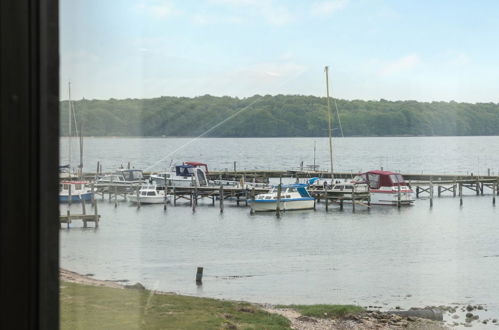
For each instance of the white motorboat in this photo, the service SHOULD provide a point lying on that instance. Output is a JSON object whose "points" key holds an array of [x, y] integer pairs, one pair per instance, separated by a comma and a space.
{"points": [[385, 187], [149, 194], [74, 191], [293, 197], [189, 174]]}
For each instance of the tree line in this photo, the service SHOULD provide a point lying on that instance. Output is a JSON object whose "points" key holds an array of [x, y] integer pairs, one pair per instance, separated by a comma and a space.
{"points": [[279, 115]]}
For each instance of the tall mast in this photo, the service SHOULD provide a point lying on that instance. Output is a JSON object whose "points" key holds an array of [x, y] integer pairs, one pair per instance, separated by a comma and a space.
{"points": [[329, 121], [69, 126]]}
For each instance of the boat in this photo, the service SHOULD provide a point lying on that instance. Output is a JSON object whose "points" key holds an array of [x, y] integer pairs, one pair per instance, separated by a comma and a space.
{"points": [[74, 191], [346, 188], [71, 190], [149, 194], [293, 197], [188, 174], [385, 186]]}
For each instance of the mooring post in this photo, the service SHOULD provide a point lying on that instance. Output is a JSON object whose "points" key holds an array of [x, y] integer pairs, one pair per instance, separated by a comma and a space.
{"points": [[221, 196], [431, 192], [166, 197], [439, 190], [460, 194], [83, 206], [278, 204], [481, 188], [399, 203], [454, 189], [115, 196], [96, 215], [84, 211], [97, 170], [69, 219], [110, 193], [252, 211], [235, 166], [494, 189], [245, 197], [417, 191], [174, 196], [353, 201], [326, 200], [138, 197], [199, 276], [341, 204], [92, 197], [477, 185], [194, 198], [70, 197]]}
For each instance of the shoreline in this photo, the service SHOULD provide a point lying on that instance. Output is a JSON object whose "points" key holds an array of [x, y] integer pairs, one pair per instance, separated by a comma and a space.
{"points": [[368, 319]]}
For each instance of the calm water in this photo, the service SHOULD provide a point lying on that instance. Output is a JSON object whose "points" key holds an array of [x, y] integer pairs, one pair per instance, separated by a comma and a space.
{"points": [[415, 256]]}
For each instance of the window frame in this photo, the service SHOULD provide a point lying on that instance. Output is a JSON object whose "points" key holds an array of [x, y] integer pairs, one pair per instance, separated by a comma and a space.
{"points": [[29, 136]]}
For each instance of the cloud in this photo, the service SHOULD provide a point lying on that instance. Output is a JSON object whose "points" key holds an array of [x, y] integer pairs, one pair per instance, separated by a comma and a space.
{"points": [[159, 10], [460, 60], [400, 65], [271, 12], [326, 8]]}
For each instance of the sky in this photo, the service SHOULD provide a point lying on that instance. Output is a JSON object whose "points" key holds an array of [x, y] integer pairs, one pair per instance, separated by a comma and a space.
{"points": [[421, 50]]}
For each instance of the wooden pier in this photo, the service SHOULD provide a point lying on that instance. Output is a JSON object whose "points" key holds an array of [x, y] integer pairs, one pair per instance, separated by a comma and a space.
{"points": [[424, 186]]}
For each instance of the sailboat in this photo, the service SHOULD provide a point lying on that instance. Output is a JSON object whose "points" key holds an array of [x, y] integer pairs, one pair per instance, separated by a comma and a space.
{"points": [[73, 190]]}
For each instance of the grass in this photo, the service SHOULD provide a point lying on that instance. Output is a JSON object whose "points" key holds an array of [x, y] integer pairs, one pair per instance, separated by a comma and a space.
{"points": [[91, 307], [325, 311]]}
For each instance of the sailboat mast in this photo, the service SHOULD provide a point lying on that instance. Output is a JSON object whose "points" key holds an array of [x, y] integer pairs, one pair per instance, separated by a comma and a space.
{"points": [[329, 122], [69, 126]]}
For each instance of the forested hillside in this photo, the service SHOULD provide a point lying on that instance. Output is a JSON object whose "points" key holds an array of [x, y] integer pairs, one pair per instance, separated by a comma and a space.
{"points": [[280, 115]]}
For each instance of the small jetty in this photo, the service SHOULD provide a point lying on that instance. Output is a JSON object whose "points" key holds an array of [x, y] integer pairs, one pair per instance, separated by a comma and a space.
{"points": [[425, 186]]}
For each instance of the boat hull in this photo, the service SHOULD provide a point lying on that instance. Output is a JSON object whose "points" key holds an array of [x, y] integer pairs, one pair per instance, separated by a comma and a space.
{"points": [[285, 205], [391, 197], [149, 199], [75, 198]]}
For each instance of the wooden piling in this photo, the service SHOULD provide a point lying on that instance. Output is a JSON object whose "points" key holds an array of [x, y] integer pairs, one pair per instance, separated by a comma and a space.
{"points": [[115, 196], [252, 211], [221, 196], [439, 190], [417, 191], [235, 166], [96, 215], [431, 192], [138, 197], [92, 198], [341, 204], [166, 197], [70, 196], [494, 189], [278, 204], [454, 189], [174, 196], [69, 218], [194, 199], [353, 201], [97, 170], [199, 276], [460, 194], [399, 202]]}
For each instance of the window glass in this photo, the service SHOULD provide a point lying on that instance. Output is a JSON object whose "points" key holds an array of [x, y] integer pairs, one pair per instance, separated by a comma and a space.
{"points": [[333, 94]]}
